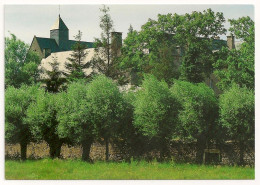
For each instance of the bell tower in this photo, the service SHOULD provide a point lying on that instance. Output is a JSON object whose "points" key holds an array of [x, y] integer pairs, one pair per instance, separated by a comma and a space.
{"points": [[60, 32]]}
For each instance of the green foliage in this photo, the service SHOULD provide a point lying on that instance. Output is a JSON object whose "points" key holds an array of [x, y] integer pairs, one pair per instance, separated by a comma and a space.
{"points": [[73, 117], [21, 65], [199, 109], [54, 80], [237, 66], [198, 114], [155, 112], [131, 59], [105, 104], [237, 117], [43, 123], [237, 113], [151, 50], [73, 113], [104, 62], [157, 49], [243, 28], [128, 139], [197, 61], [17, 102], [76, 64], [196, 35]]}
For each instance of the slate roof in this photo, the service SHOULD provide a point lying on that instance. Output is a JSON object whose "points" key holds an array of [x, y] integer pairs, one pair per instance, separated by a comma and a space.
{"points": [[59, 25], [217, 44], [51, 44], [72, 42], [48, 43]]}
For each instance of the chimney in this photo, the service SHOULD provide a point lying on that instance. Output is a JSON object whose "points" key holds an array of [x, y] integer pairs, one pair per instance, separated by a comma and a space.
{"points": [[231, 41], [116, 43]]}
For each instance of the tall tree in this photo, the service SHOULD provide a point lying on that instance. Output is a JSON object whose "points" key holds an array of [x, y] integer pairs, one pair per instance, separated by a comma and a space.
{"points": [[53, 78], [17, 102], [21, 65], [237, 117], [102, 59], [76, 65], [105, 61], [198, 113], [105, 105], [172, 37], [131, 57], [237, 65], [155, 114], [196, 35], [73, 117], [42, 120]]}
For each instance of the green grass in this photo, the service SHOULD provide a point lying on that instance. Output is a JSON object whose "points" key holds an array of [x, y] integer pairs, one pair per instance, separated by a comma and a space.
{"points": [[76, 169]]}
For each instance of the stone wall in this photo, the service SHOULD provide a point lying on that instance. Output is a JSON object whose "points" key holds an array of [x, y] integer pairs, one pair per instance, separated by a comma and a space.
{"points": [[180, 152]]}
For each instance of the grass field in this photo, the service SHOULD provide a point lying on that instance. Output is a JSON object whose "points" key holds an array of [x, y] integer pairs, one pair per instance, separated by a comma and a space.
{"points": [[76, 169]]}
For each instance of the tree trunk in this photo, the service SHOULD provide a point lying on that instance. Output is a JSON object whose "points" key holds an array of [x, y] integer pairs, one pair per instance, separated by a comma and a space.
{"points": [[241, 153], [107, 149], [163, 150], [58, 149], [55, 149], [23, 150], [86, 145], [201, 145]]}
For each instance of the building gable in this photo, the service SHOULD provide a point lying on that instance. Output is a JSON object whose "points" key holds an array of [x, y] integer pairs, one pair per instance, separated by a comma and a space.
{"points": [[35, 47]]}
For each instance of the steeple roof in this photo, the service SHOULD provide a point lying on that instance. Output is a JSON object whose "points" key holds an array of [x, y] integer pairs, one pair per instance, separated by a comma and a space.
{"points": [[59, 25]]}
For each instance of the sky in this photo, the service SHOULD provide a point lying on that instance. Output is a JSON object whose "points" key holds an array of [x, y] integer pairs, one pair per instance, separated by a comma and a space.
{"points": [[25, 21]]}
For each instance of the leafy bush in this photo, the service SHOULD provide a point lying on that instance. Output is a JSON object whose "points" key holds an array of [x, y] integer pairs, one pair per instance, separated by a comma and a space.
{"points": [[73, 116], [155, 113], [43, 123], [198, 113], [105, 105], [237, 116], [17, 102]]}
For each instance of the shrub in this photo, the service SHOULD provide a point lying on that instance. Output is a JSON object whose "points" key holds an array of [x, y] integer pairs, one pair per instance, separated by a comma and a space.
{"points": [[105, 105], [73, 116], [17, 102], [237, 116], [43, 123], [198, 113], [155, 113]]}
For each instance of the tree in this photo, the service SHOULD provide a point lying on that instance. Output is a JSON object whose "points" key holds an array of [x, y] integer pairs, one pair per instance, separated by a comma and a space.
{"points": [[73, 117], [152, 50], [196, 35], [17, 102], [42, 120], [105, 105], [237, 65], [102, 59], [21, 65], [237, 116], [198, 113], [76, 64], [155, 113], [131, 57], [54, 78], [105, 60], [162, 43]]}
